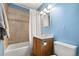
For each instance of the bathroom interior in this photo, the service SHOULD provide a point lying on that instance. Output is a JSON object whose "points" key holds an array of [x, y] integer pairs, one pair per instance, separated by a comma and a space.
{"points": [[39, 29]]}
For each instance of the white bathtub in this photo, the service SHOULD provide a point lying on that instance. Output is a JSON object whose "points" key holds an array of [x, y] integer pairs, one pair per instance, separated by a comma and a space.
{"points": [[18, 49]]}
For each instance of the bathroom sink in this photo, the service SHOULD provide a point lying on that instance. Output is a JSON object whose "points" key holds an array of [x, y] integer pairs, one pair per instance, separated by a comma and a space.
{"points": [[45, 36]]}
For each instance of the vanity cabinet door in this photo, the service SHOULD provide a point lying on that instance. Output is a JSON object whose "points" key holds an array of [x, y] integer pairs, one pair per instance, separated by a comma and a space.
{"points": [[48, 49], [39, 52], [34, 46]]}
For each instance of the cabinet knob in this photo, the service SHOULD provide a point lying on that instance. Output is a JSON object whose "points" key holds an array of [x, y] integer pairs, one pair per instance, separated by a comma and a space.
{"points": [[44, 43]]}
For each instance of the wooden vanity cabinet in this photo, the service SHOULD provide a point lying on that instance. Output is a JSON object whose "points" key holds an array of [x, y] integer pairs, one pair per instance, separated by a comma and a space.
{"points": [[39, 49]]}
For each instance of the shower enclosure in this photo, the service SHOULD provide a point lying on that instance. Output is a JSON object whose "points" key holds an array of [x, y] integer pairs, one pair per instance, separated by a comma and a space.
{"points": [[18, 22]]}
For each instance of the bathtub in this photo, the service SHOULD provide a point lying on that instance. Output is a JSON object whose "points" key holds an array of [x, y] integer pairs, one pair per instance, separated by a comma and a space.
{"points": [[18, 49]]}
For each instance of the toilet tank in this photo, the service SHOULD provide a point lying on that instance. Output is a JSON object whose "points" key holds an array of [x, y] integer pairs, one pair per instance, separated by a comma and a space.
{"points": [[64, 49]]}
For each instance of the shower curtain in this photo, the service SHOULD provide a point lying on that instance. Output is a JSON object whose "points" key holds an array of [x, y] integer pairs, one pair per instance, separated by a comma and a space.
{"points": [[34, 24]]}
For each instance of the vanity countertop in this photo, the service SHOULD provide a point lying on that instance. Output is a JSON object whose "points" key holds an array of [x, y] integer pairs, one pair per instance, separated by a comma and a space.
{"points": [[44, 36]]}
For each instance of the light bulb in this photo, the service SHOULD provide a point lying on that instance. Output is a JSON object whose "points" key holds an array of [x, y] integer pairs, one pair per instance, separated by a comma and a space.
{"points": [[41, 12], [44, 13], [45, 10]]}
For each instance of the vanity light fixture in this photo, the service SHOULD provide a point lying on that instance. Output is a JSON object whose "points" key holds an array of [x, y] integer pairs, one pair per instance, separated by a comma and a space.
{"points": [[46, 10], [42, 13]]}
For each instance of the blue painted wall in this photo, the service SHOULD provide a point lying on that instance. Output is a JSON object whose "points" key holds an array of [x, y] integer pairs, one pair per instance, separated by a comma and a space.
{"points": [[65, 23]]}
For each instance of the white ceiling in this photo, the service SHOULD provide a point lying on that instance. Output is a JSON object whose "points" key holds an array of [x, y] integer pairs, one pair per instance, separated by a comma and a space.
{"points": [[32, 5]]}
